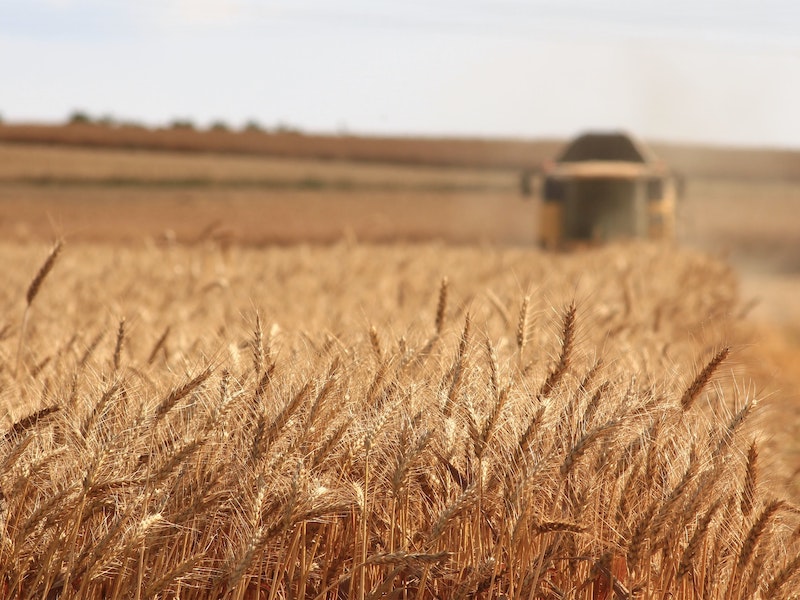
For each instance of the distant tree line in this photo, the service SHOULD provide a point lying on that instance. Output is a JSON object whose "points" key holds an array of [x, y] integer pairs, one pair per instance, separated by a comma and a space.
{"points": [[81, 117]]}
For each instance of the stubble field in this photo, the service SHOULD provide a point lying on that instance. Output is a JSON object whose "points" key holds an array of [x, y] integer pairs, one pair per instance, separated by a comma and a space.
{"points": [[189, 416]]}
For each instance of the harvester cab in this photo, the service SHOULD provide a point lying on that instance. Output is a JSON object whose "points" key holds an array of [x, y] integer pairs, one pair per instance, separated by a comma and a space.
{"points": [[604, 186]]}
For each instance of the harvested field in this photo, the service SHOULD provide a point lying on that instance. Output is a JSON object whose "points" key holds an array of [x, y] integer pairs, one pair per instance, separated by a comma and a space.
{"points": [[471, 153], [693, 161], [756, 223], [257, 216], [41, 165], [340, 421], [127, 195], [102, 194]]}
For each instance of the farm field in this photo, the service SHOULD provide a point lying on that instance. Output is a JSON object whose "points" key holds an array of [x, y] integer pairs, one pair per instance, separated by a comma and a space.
{"points": [[48, 191], [51, 165], [246, 376], [342, 421], [693, 161]]}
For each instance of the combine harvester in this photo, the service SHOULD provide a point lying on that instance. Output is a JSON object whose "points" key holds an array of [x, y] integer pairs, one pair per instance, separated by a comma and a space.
{"points": [[605, 186]]}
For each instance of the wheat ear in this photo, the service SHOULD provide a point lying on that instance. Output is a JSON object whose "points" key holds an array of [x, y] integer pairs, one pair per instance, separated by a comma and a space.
{"points": [[30, 421], [160, 343], [693, 391], [441, 307], [564, 359], [522, 324], [258, 348], [689, 554], [118, 345], [33, 290], [375, 342], [750, 481], [783, 577], [458, 368], [755, 533], [171, 399]]}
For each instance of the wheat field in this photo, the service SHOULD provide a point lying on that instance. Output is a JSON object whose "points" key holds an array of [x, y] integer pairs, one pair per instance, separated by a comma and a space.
{"points": [[382, 421]]}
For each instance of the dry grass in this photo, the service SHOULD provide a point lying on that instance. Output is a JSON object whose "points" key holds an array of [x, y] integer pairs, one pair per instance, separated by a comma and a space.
{"points": [[337, 422]]}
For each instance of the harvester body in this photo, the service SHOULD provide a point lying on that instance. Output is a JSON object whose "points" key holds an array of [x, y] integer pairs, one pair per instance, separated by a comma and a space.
{"points": [[606, 186]]}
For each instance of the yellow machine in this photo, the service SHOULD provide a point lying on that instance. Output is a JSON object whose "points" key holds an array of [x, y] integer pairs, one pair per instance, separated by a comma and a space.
{"points": [[606, 186]]}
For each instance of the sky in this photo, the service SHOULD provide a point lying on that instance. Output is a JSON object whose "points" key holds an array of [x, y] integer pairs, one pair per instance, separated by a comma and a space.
{"points": [[707, 71]]}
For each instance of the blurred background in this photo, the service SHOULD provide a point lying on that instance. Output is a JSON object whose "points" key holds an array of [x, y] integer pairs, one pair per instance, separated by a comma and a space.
{"points": [[310, 120], [719, 71]]}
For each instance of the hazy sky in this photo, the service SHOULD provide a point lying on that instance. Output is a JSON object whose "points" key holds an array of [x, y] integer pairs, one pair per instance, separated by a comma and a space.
{"points": [[679, 70]]}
